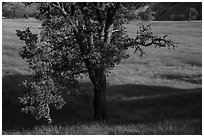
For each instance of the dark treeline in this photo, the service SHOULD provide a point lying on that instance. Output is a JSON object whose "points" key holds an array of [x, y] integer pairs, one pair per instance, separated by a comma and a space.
{"points": [[160, 11], [177, 11]]}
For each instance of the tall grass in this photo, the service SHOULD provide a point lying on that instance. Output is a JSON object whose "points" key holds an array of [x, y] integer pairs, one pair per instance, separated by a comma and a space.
{"points": [[166, 127]]}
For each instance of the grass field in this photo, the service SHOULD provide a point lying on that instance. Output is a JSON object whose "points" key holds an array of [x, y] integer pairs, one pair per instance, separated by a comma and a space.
{"points": [[159, 93]]}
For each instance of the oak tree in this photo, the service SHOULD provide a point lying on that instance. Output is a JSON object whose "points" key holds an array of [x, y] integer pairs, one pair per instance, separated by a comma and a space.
{"points": [[78, 38]]}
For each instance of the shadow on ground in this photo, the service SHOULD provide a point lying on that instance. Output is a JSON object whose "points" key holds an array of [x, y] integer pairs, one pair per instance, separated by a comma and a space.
{"points": [[194, 79], [129, 103]]}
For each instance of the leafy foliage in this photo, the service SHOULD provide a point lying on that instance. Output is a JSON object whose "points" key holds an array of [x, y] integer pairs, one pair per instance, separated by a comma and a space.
{"points": [[76, 39], [39, 96]]}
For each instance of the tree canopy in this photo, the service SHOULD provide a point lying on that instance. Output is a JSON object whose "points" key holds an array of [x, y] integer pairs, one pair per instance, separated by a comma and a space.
{"points": [[75, 39]]}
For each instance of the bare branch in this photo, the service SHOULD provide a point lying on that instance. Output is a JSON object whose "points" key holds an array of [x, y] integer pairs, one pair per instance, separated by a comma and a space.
{"points": [[138, 48], [146, 38], [155, 41]]}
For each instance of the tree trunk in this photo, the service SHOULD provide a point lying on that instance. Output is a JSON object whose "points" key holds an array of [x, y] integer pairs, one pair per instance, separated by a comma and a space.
{"points": [[99, 103], [99, 95]]}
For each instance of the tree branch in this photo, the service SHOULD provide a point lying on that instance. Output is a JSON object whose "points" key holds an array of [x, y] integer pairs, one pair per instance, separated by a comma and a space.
{"points": [[110, 14], [124, 8], [79, 41], [60, 8], [115, 31], [156, 41], [100, 20]]}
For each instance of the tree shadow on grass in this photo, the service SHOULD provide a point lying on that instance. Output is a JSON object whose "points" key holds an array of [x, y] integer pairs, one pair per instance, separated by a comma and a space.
{"points": [[154, 103], [128, 103], [194, 79]]}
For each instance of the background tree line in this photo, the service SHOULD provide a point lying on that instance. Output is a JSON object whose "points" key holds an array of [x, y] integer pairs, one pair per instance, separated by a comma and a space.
{"points": [[160, 11], [19, 9], [177, 11]]}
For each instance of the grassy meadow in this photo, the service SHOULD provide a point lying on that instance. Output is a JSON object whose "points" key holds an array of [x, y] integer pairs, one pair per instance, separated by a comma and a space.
{"points": [[159, 93]]}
